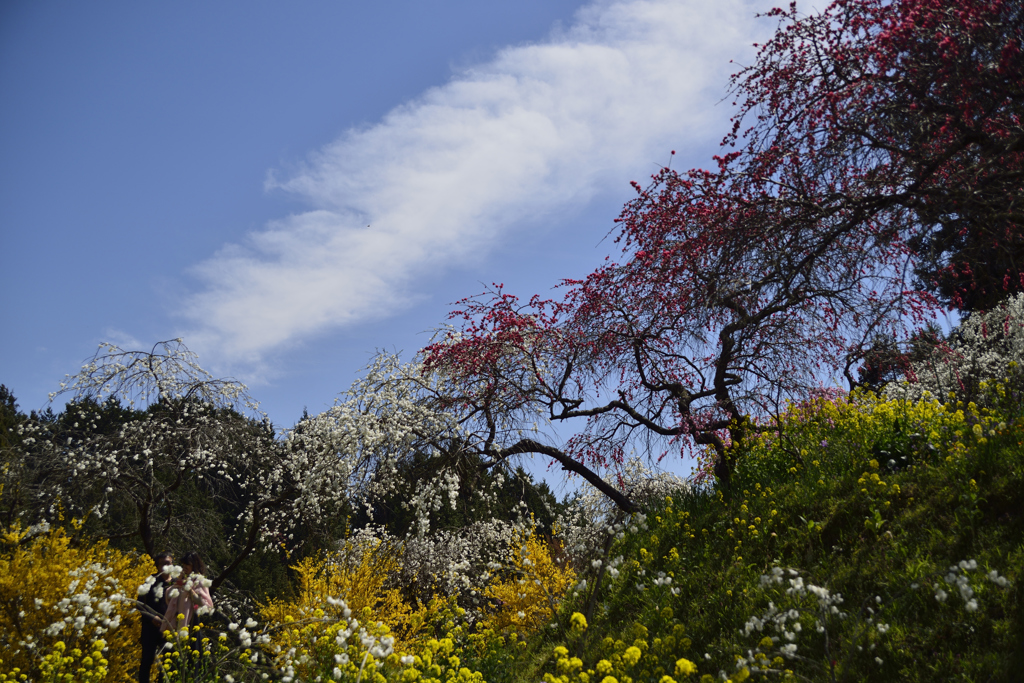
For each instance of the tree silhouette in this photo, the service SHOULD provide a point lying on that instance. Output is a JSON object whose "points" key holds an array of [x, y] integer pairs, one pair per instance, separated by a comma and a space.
{"points": [[863, 133]]}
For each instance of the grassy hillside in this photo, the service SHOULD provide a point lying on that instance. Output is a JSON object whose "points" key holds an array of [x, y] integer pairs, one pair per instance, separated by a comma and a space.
{"points": [[867, 540]]}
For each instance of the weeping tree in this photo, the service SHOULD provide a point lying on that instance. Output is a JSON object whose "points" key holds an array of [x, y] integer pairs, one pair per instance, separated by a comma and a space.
{"points": [[866, 136], [152, 449]]}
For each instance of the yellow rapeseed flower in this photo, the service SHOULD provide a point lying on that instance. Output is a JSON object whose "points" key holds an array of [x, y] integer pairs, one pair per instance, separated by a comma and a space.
{"points": [[684, 667]]}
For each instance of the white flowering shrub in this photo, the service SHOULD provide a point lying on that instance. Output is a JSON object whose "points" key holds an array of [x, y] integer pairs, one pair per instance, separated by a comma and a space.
{"points": [[147, 431], [981, 349], [458, 562], [444, 563], [592, 520], [381, 421]]}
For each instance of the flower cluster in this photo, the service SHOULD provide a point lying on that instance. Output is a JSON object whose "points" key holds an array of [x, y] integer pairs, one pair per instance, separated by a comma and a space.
{"points": [[61, 598], [591, 520], [62, 665], [333, 643], [503, 575], [785, 624], [363, 574], [980, 350], [957, 578], [91, 608], [821, 440], [191, 656], [645, 658], [524, 593]]}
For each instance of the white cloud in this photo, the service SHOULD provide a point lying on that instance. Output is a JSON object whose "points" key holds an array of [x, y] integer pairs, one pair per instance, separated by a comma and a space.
{"points": [[125, 340], [538, 128]]}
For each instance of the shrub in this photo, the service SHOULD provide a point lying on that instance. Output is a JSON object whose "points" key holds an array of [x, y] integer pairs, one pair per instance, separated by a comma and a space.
{"points": [[981, 350], [59, 600]]}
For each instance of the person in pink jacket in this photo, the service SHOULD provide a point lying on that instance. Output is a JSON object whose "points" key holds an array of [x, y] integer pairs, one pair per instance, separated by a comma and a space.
{"points": [[188, 595]]}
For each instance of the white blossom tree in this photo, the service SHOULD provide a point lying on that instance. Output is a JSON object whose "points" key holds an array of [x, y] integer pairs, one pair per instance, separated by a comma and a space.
{"points": [[152, 447], [146, 430], [987, 347]]}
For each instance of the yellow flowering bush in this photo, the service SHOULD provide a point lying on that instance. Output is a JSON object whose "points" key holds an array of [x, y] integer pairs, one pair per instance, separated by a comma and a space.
{"points": [[346, 623], [360, 575], [529, 588], [60, 599]]}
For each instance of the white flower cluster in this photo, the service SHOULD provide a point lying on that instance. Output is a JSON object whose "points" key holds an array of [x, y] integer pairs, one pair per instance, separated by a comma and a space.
{"points": [[42, 527], [785, 624], [352, 452], [957, 579], [150, 585], [375, 648], [247, 636], [1000, 581], [90, 605], [592, 519], [612, 566], [980, 350], [455, 562]]}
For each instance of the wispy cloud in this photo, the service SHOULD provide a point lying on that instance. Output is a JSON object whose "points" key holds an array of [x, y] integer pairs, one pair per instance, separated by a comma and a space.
{"points": [[125, 340], [538, 128]]}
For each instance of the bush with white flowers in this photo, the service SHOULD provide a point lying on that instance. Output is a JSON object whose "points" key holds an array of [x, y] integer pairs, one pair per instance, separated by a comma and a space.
{"points": [[986, 347]]}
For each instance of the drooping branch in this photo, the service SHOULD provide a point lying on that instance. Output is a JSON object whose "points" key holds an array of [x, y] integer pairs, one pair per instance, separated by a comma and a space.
{"points": [[569, 464]]}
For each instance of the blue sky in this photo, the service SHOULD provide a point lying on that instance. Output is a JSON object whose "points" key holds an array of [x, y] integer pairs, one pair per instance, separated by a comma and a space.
{"points": [[290, 186]]}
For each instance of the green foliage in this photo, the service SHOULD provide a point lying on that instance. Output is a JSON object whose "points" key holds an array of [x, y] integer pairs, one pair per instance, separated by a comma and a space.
{"points": [[484, 493], [888, 361], [10, 417], [970, 264], [907, 519], [12, 469]]}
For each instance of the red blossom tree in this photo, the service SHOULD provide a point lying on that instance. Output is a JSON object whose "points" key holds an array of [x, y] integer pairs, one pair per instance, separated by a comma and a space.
{"points": [[918, 105], [865, 135]]}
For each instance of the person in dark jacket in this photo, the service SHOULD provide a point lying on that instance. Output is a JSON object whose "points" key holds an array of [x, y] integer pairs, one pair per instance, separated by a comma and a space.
{"points": [[152, 605]]}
